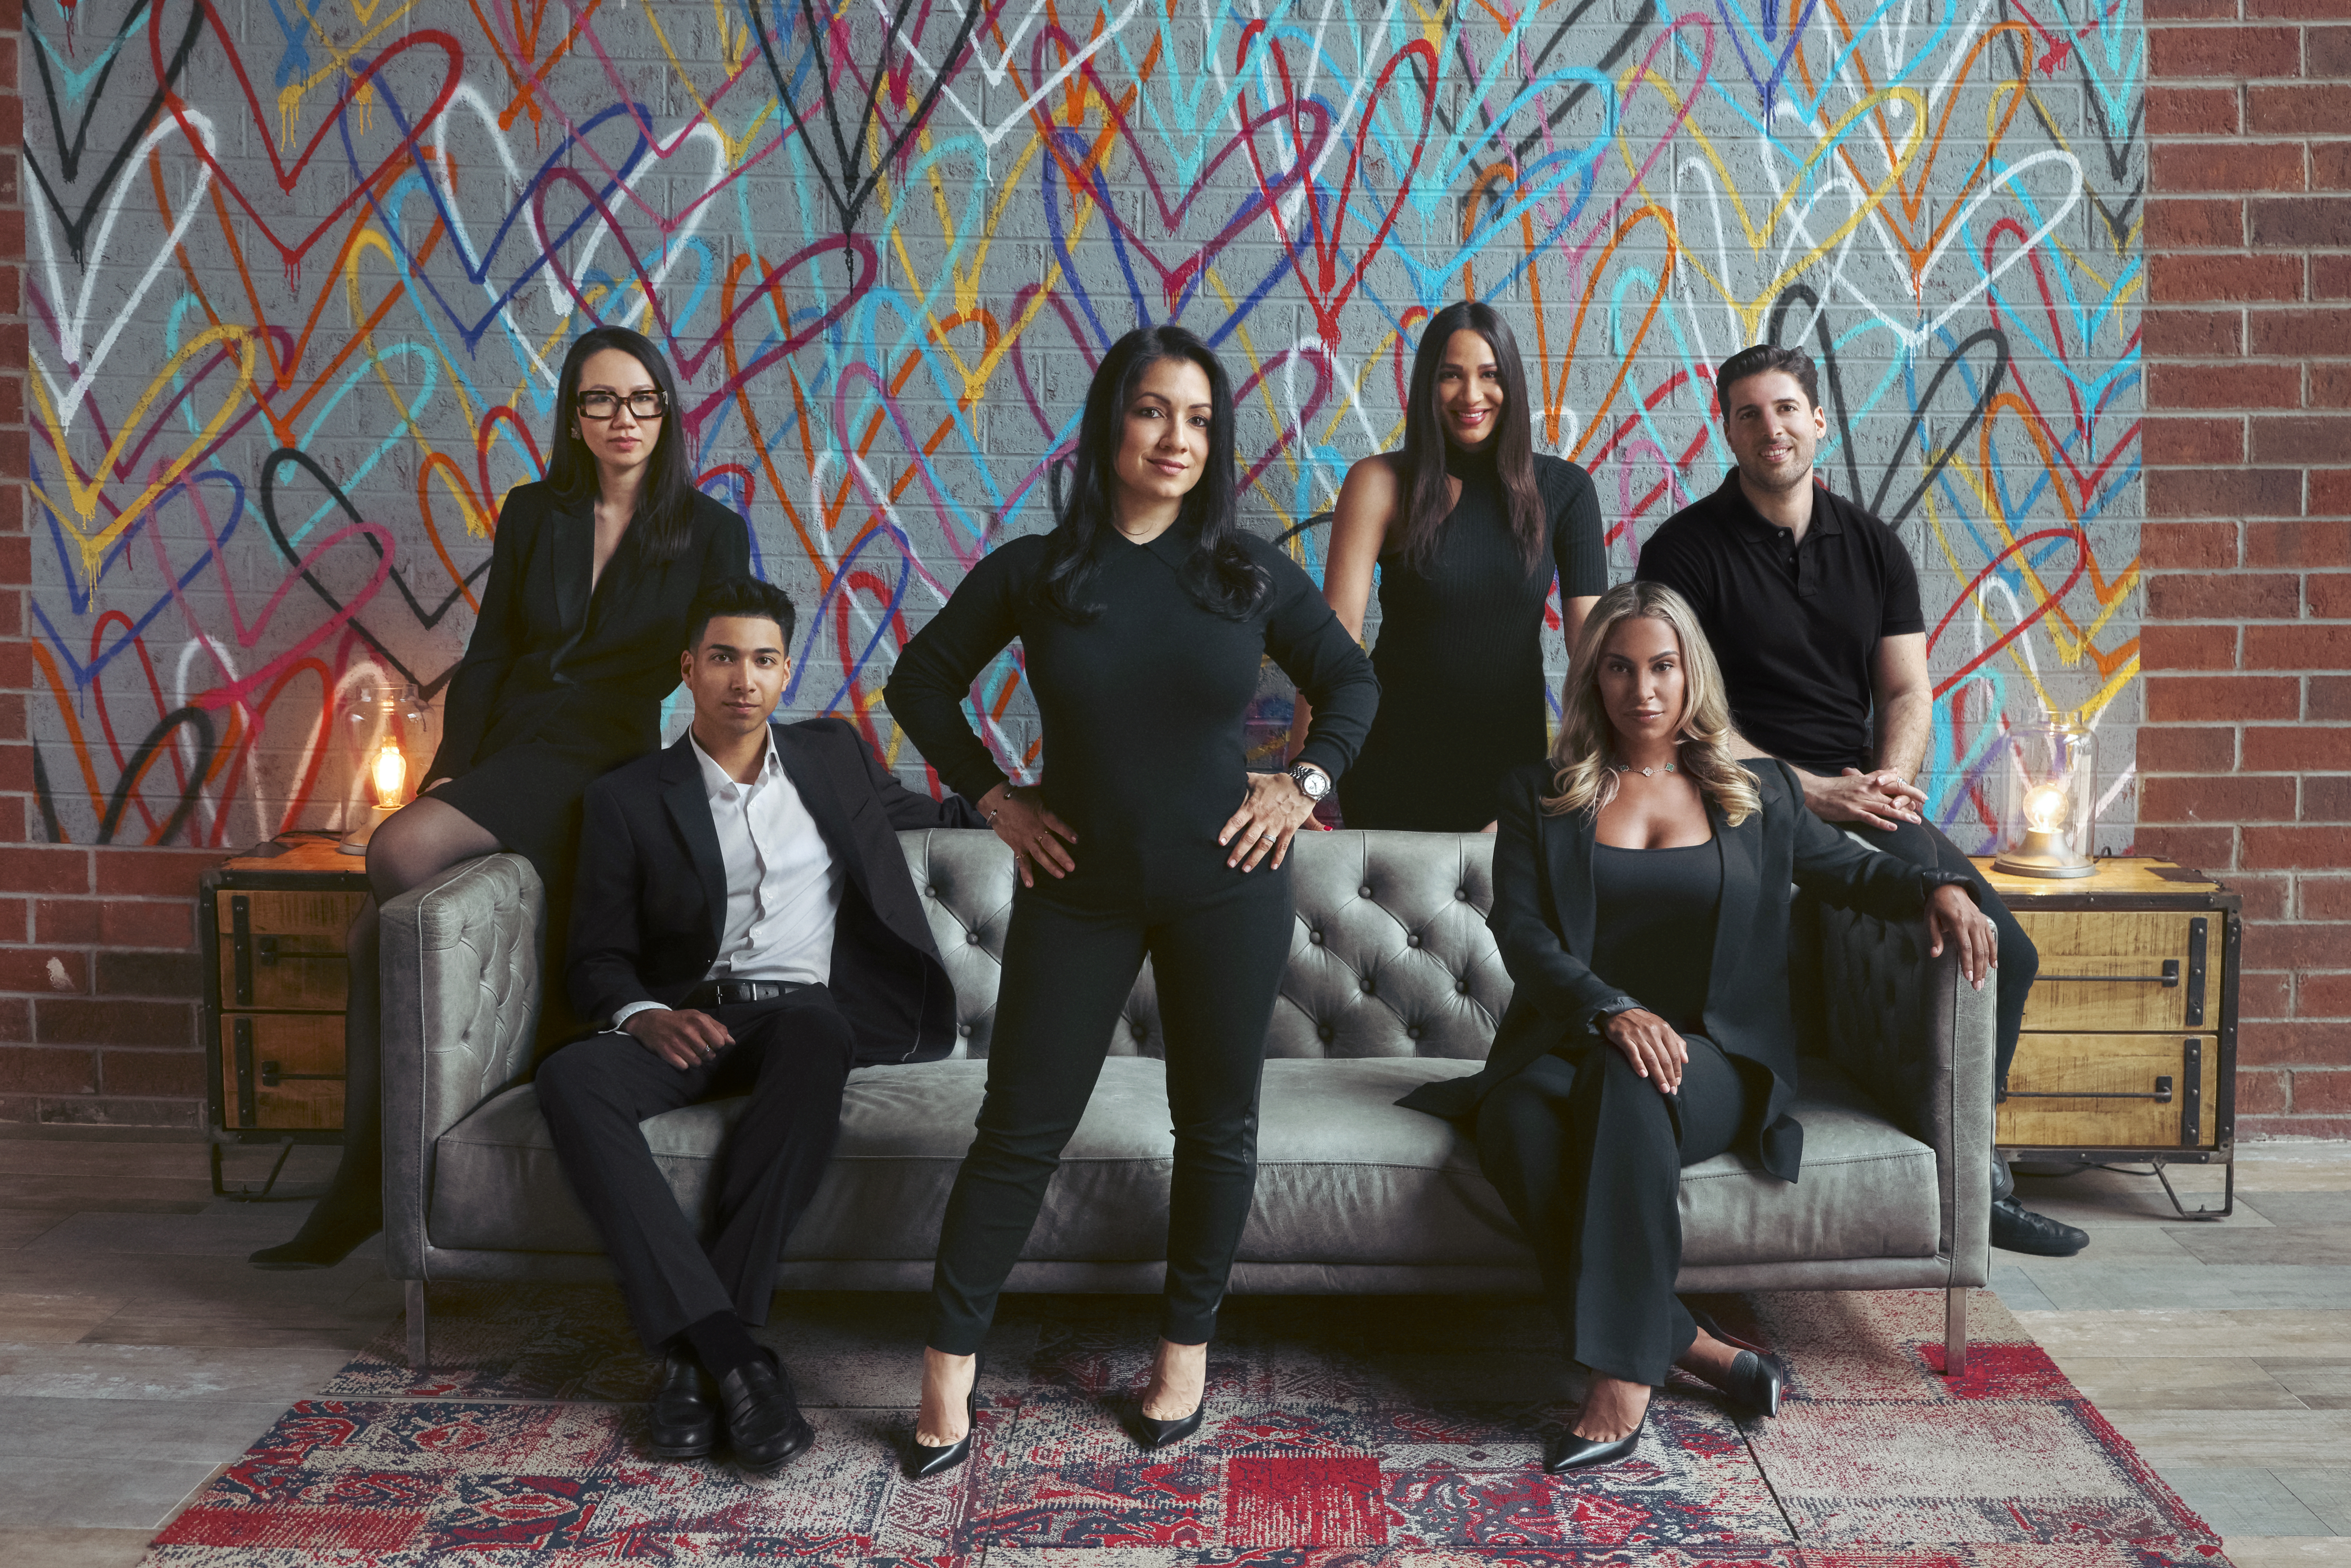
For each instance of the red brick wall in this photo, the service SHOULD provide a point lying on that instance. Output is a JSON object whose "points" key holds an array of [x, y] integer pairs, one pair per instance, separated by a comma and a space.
{"points": [[98, 962], [2245, 755]]}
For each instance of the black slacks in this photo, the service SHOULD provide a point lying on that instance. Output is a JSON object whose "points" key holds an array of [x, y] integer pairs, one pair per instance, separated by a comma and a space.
{"points": [[791, 1056], [1218, 966], [1922, 844], [1588, 1157]]}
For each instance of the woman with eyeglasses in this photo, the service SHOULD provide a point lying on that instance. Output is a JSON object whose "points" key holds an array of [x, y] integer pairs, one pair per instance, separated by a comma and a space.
{"points": [[591, 574]]}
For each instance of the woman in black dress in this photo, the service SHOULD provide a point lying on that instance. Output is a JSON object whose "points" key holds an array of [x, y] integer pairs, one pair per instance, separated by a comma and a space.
{"points": [[1144, 615], [1641, 891], [591, 573], [1467, 525]]}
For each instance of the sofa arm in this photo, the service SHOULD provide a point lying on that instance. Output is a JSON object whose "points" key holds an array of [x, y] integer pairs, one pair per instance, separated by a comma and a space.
{"points": [[461, 977], [1913, 1032]]}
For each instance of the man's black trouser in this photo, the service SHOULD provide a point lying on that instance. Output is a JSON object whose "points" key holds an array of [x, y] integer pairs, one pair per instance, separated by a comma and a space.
{"points": [[791, 1056], [1922, 843], [1588, 1157], [1217, 966]]}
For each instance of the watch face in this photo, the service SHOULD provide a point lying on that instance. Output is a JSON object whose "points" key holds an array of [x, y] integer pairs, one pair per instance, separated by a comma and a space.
{"points": [[1313, 783]]}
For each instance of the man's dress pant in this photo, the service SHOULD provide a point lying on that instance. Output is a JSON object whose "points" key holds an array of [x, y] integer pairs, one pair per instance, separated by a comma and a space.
{"points": [[1588, 1156], [792, 1057]]}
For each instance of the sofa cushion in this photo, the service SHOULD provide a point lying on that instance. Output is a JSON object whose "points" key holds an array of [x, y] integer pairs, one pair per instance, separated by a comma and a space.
{"points": [[1344, 1175]]}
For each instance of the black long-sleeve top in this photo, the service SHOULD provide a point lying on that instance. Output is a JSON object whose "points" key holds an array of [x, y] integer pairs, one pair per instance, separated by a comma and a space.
{"points": [[1142, 707]]}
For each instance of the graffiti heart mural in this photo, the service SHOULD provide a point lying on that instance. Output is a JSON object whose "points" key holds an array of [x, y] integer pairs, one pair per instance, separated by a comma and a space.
{"points": [[301, 275]]}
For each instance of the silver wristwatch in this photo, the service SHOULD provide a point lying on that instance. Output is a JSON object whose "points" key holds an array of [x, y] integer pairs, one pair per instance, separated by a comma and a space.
{"points": [[1311, 781]]}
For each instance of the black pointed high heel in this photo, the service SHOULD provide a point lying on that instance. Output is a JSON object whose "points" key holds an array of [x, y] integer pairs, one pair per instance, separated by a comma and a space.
{"points": [[1756, 1378], [923, 1460], [1153, 1433], [1569, 1452]]}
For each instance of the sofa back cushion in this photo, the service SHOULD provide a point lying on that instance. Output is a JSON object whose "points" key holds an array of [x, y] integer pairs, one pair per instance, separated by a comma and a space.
{"points": [[1389, 955]]}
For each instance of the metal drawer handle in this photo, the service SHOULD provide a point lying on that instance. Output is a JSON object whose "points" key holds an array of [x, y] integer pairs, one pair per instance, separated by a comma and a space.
{"points": [[2162, 1095], [2167, 979], [272, 1076]]}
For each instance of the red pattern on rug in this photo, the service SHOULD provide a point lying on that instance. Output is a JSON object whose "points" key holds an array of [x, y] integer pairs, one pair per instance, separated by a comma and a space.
{"points": [[1333, 1443]]}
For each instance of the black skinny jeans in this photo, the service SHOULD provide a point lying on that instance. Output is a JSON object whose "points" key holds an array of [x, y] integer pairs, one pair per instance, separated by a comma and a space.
{"points": [[1588, 1157], [1218, 966]]}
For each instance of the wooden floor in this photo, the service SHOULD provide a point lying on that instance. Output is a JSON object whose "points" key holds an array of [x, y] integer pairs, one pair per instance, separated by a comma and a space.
{"points": [[138, 1353]]}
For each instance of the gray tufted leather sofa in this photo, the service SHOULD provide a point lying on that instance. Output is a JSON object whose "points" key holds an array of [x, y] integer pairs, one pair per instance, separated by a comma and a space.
{"points": [[1393, 980]]}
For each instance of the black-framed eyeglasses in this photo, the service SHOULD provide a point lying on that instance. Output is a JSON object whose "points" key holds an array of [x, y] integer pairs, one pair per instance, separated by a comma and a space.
{"points": [[648, 404]]}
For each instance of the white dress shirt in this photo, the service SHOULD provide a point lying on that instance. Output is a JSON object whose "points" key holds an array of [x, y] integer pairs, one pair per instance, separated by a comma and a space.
{"points": [[783, 887]]}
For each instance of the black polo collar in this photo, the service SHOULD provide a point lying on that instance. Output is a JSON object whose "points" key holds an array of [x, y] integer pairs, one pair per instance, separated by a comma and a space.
{"points": [[1731, 502]]}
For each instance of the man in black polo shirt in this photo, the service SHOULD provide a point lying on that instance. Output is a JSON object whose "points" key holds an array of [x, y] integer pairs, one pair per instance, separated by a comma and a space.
{"points": [[1811, 605]]}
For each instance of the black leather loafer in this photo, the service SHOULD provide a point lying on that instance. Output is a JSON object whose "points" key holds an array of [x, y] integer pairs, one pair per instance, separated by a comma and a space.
{"points": [[764, 1424], [1153, 1433], [1569, 1452], [925, 1460], [684, 1421], [1757, 1378], [2016, 1228]]}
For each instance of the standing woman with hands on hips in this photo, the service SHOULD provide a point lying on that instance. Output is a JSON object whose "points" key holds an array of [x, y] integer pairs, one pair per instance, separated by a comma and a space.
{"points": [[591, 573], [1468, 525], [1145, 614]]}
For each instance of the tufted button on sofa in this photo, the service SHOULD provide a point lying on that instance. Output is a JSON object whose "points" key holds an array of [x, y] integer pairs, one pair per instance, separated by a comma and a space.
{"points": [[1393, 980]]}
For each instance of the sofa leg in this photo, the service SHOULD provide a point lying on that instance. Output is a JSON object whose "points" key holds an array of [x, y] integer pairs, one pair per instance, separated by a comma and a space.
{"points": [[1955, 1332], [420, 1343]]}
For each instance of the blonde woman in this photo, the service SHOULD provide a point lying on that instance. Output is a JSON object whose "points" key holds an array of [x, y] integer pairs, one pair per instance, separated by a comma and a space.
{"points": [[1641, 889]]}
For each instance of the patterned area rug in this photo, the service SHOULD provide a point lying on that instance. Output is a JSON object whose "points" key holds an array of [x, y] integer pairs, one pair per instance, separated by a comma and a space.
{"points": [[1384, 1432]]}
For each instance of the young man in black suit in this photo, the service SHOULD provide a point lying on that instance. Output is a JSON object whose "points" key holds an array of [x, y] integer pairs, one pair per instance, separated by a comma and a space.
{"points": [[742, 926]]}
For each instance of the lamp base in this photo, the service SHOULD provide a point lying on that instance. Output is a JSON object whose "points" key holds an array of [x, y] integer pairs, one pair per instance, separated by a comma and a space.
{"points": [[355, 842], [2021, 865]]}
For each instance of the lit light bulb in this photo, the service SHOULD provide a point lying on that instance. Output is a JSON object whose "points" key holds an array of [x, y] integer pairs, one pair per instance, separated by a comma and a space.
{"points": [[391, 771], [2045, 806]]}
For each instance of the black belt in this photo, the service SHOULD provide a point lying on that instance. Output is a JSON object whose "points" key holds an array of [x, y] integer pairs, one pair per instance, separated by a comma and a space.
{"points": [[732, 993]]}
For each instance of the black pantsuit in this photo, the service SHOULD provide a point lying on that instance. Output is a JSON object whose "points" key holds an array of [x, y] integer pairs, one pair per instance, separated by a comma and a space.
{"points": [[1142, 703], [1586, 1153], [1588, 1157], [791, 1056], [1066, 973]]}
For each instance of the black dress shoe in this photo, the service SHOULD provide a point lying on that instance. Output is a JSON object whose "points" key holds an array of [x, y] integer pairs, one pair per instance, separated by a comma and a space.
{"points": [[324, 1240], [1569, 1452], [925, 1460], [2016, 1228], [1153, 1433], [764, 1424], [684, 1422], [1756, 1378]]}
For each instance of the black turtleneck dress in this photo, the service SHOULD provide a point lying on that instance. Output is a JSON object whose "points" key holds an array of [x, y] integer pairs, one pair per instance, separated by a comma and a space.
{"points": [[1459, 656]]}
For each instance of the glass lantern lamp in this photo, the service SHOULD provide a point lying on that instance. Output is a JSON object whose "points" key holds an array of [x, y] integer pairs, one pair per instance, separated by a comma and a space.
{"points": [[2049, 822], [389, 733]]}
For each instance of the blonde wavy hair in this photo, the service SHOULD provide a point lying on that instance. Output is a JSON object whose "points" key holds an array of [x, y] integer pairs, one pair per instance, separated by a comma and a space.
{"points": [[1580, 775]]}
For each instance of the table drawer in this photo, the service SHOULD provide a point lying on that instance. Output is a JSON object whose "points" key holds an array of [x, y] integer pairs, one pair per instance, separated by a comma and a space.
{"points": [[2111, 1092], [281, 950], [281, 1070], [2124, 970]]}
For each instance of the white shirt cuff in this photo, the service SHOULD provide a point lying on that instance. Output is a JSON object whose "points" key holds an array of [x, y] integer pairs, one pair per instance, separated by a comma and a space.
{"points": [[621, 1016]]}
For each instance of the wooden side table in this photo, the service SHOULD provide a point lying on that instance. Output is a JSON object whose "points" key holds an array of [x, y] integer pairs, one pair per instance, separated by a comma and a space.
{"points": [[2130, 1050], [272, 923]]}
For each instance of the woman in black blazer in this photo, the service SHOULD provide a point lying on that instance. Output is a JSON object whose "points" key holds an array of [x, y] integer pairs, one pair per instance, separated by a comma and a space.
{"points": [[591, 573], [1640, 890]]}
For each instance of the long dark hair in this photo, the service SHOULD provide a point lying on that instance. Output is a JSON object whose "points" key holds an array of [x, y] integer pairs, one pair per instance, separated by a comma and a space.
{"points": [[665, 519], [1423, 467], [1219, 571]]}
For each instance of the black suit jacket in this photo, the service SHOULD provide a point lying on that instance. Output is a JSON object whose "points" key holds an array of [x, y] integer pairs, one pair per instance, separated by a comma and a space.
{"points": [[1544, 917], [652, 900], [550, 659]]}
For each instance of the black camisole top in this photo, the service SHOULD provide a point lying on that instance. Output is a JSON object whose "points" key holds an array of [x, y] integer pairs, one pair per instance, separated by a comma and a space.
{"points": [[1654, 926]]}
